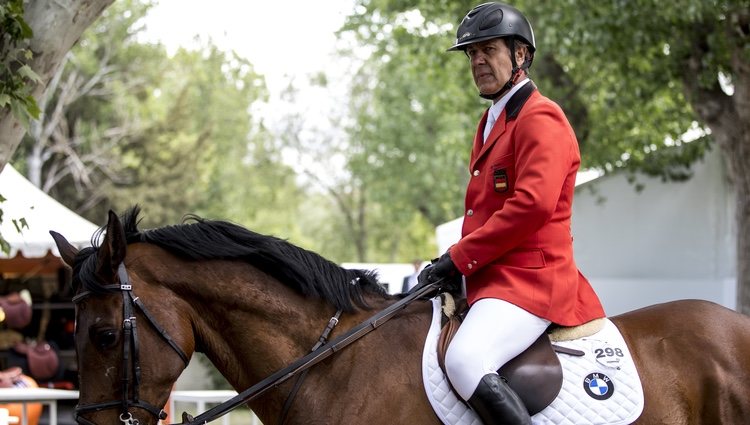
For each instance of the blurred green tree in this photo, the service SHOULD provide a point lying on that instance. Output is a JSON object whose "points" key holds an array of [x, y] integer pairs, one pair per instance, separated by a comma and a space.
{"points": [[648, 86]]}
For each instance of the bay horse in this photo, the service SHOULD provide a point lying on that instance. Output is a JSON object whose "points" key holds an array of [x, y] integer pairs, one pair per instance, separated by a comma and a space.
{"points": [[254, 304]]}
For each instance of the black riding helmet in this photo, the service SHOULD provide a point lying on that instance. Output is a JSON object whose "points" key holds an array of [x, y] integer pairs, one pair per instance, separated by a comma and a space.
{"points": [[496, 20]]}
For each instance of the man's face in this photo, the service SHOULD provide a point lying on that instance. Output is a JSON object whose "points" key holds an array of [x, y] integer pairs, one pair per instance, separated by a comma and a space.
{"points": [[490, 64]]}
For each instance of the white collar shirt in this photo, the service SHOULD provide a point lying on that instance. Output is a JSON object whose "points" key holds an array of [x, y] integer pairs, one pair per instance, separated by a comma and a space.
{"points": [[497, 108]]}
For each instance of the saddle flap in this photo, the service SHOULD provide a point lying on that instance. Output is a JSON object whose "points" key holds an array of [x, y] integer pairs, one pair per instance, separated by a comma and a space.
{"points": [[446, 335], [535, 375]]}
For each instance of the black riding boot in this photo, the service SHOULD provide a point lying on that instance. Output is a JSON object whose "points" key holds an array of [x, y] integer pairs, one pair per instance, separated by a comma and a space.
{"points": [[497, 404]]}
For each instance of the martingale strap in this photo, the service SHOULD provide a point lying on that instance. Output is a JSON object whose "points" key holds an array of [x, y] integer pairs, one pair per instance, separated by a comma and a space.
{"points": [[310, 360], [301, 377]]}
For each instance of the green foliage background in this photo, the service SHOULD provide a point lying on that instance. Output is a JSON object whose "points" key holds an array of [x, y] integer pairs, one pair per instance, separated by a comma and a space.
{"points": [[620, 69], [15, 75]]}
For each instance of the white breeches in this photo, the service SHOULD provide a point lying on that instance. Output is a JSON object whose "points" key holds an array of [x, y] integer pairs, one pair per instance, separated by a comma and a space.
{"points": [[493, 332]]}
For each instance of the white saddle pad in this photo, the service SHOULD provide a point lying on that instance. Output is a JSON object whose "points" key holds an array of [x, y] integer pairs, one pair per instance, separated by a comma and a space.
{"points": [[599, 388]]}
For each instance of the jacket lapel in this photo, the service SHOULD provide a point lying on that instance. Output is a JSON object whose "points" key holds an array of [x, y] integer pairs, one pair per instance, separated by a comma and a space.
{"points": [[510, 112], [497, 130], [478, 144]]}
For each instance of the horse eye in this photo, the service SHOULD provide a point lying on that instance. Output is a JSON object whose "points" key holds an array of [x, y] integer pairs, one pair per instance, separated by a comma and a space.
{"points": [[104, 339]]}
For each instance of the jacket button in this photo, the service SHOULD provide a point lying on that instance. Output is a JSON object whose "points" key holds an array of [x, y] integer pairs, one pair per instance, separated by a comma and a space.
{"points": [[476, 173], [470, 213], [470, 266]]}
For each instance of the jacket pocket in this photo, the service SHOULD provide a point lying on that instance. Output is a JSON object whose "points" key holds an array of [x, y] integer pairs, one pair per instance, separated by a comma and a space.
{"points": [[530, 259], [501, 178]]}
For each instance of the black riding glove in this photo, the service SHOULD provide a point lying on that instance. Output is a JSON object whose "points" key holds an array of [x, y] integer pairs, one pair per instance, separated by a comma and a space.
{"points": [[443, 272]]}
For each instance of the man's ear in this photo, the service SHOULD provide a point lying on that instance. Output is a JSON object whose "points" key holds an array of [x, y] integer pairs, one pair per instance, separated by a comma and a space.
{"points": [[522, 51]]}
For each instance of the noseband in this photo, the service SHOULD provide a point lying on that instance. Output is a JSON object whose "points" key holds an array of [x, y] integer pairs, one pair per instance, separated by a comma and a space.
{"points": [[131, 369]]}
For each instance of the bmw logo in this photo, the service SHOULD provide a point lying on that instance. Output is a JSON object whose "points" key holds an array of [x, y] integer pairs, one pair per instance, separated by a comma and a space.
{"points": [[598, 386]]}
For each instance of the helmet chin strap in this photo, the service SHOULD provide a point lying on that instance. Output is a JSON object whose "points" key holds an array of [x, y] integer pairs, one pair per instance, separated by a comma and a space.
{"points": [[504, 88], [513, 74]]}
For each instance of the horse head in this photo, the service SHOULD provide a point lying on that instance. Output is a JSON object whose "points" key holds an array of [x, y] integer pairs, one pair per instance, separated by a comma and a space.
{"points": [[121, 341]]}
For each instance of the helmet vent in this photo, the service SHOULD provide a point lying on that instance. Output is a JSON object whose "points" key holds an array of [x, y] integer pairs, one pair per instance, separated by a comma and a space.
{"points": [[492, 19]]}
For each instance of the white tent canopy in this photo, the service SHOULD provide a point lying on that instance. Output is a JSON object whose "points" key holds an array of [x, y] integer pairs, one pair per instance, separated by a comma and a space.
{"points": [[42, 214]]}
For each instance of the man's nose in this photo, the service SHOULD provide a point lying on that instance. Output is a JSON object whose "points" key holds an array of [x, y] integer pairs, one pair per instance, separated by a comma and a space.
{"points": [[478, 59]]}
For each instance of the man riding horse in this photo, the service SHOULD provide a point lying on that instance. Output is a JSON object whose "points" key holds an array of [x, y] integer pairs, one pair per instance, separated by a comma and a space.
{"points": [[516, 250]]}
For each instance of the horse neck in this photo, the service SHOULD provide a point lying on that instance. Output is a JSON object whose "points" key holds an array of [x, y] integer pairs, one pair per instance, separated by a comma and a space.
{"points": [[248, 324]]}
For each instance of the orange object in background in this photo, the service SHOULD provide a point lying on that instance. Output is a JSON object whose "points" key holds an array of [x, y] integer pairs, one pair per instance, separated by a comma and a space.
{"points": [[168, 409], [14, 378]]}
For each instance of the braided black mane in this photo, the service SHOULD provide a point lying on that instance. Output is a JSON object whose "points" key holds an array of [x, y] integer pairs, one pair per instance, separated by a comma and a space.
{"points": [[198, 239]]}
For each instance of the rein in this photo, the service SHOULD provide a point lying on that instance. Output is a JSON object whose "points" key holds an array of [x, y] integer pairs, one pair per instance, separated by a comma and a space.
{"points": [[305, 363], [131, 370]]}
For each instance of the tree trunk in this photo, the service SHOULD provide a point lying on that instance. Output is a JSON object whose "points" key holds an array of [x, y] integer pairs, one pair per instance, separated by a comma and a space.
{"points": [[743, 254], [732, 135], [741, 159], [728, 117], [57, 26]]}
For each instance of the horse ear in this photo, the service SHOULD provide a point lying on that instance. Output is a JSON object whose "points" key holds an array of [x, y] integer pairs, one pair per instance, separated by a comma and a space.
{"points": [[113, 248], [67, 251]]}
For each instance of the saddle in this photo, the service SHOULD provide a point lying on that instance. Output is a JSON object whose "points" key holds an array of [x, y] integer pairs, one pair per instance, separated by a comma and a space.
{"points": [[9, 377], [39, 358], [17, 310], [535, 375]]}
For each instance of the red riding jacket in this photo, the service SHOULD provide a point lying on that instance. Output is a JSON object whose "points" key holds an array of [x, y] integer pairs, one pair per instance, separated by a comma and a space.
{"points": [[516, 240]]}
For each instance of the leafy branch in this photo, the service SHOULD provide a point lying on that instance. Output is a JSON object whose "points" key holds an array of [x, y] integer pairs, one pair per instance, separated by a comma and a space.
{"points": [[17, 79]]}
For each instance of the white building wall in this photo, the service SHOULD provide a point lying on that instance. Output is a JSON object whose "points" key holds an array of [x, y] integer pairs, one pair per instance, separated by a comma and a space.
{"points": [[670, 230], [669, 241], [389, 274]]}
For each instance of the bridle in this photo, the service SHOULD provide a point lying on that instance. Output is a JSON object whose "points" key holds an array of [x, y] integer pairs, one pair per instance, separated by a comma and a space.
{"points": [[131, 369]]}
